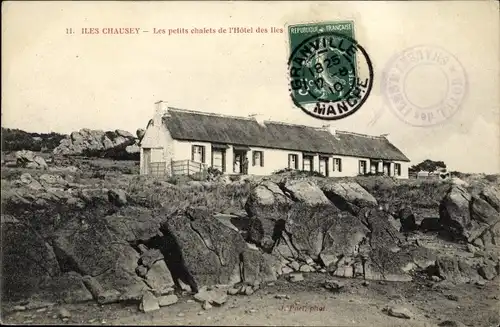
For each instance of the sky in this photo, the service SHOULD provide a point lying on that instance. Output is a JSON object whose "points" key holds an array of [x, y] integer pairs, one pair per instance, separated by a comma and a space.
{"points": [[54, 81]]}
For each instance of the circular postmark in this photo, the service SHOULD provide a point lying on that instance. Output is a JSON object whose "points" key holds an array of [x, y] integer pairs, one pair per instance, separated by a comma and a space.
{"points": [[424, 85], [330, 75]]}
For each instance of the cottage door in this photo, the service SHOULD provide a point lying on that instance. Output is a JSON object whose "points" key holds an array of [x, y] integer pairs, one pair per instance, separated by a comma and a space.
{"points": [[386, 169], [307, 163], [237, 163], [146, 161], [217, 159], [322, 166]]}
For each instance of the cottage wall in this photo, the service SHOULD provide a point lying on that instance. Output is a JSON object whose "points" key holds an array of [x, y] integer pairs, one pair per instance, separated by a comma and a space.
{"points": [[183, 150], [276, 159], [159, 142], [404, 168]]}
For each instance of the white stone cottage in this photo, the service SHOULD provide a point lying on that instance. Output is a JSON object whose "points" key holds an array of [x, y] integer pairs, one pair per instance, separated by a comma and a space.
{"points": [[180, 141]]}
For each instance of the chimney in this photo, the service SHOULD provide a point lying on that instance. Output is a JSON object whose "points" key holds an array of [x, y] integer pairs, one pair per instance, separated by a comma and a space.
{"points": [[161, 110], [258, 117], [329, 128]]}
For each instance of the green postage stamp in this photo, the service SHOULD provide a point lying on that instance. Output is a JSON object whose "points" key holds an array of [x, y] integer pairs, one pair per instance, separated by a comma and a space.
{"points": [[330, 74]]}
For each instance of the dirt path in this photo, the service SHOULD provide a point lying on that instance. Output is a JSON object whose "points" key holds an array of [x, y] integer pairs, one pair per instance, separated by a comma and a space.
{"points": [[308, 304]]}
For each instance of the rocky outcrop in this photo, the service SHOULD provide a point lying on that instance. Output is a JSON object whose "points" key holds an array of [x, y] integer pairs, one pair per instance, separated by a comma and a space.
{"points": [[67, 287], [267, 207], [27, 159], [491, 194], [97, 142], [455, 270], [474, 218], [201, 250], [304, 191], [454, 211], [27, 260], [266, 197], [324, 229], [97, 250], [27, 180], [98, 243], [348, 196], [366, 245]]}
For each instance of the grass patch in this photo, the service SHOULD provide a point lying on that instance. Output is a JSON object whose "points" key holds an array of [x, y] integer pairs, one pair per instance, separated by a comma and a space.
{"points": [[155, 193]]}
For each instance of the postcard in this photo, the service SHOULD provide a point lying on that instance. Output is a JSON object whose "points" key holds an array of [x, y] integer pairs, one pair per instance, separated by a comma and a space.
{"points": [[330, 163]]}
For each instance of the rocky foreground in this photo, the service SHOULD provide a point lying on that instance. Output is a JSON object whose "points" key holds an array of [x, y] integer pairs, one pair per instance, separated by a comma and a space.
{"points": [[66, 241]]}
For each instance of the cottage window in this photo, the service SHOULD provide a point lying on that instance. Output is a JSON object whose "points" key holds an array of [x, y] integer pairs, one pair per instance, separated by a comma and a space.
{"points": [[307, 163], [258, 158], [397, 169], [337, 164], [293, 161], [198, 153], [362, 167]]}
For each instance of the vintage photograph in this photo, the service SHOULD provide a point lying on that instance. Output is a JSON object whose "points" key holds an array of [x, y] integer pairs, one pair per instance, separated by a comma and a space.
{"points": [[271, 163]]}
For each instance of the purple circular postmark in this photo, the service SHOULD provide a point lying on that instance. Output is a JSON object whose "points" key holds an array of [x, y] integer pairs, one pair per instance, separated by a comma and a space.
{"points": [[424, 85]]}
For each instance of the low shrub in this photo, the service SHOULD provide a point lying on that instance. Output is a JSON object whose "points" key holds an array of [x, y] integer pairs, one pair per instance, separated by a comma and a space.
{"points": [[369, 174], [218, 197], [298, 173], [492, 178]]}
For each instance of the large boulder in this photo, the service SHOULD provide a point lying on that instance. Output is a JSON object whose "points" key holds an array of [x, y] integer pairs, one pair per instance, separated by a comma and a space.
{"points": [[67, 287], [266, 198], [27, 260], [324, 229], [107, 143], [27, 180], [134, 225], [454, 211], [455, 270], [28, 159], [483, 212], [100, 248], [384, 263], [267, 207], [200, 250], [374, 250], [383, 233], [124, 133], [305, 191], [159, 277], [491, 194], [258, 266], [348, 196], [469, 216], [49, 180]]}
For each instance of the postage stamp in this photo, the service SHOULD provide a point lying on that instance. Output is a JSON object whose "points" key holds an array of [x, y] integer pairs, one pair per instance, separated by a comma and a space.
{"points": [[330, 74], [424, 85]]}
